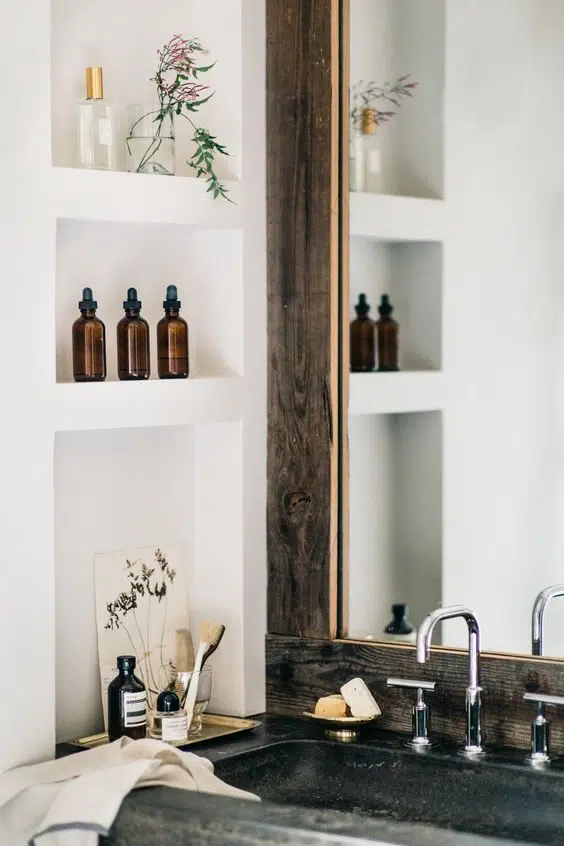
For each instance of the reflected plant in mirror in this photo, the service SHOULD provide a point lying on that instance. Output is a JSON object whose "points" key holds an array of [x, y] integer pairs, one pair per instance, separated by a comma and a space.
{"points": [[151, 136], [371, 106]]}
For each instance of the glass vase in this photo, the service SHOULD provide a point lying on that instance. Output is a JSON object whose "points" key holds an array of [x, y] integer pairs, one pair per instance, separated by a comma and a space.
{"points": [[150, 141]]}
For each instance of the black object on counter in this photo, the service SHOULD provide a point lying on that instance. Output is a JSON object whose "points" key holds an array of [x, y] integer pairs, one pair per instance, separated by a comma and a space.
{"points": [[127, 702], [400, 625]]}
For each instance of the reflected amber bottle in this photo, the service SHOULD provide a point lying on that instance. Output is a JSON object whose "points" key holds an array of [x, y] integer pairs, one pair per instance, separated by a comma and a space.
{"points": [[362, 338], [88, 342], [133, 341], [172, 339], [387, 332]]}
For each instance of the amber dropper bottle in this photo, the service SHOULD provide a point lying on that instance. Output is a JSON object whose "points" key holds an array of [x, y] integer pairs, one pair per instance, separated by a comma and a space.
{"points": [[133, 341], [387, 332], [172, 339], [88, 342], [362, 338]]}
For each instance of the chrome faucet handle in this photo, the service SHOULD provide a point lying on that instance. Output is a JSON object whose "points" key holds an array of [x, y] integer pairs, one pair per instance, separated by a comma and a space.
{"points": [[540, 727], [420, 712]]}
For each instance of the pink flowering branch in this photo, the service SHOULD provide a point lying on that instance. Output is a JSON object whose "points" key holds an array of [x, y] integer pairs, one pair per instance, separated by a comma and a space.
{"points": [[180, 95]]}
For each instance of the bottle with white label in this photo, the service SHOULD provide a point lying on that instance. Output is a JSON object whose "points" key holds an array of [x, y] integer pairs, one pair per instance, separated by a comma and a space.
{"points": [[365, 154], [127, 702], [169, 722], [97, 126]]}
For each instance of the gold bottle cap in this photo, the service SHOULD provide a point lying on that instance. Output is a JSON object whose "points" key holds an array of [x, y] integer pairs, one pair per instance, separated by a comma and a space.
{"points": [[368, 121], [94, 83]]}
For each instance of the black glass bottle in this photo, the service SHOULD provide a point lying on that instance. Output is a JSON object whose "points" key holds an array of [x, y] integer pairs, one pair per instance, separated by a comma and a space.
{"points": [[127, 702], [172, 339], [133, 341], [88, 342], [400, 627]]}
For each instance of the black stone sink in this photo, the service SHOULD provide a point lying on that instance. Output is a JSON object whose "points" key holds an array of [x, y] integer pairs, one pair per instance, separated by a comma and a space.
{"points": [[446, 791]]}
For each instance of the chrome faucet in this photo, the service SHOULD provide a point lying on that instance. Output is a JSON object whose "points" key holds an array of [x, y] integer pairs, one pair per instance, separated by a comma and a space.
{"points": [[473, 691], [539, 608]]}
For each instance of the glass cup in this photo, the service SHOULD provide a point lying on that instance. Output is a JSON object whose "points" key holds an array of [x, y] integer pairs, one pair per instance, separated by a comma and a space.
{"points": [[203, 697]]}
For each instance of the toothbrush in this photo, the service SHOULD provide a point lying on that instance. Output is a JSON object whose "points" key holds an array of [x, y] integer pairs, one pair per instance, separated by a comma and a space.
{"points": [[210, 636]]}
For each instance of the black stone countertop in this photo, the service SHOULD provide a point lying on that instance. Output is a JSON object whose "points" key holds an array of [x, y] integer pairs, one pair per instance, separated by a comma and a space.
{"points": [[166, 817]]}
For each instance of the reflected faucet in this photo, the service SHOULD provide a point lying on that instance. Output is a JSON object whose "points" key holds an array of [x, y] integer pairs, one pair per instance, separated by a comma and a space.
{"points": [[473, 691], [539, 608]]}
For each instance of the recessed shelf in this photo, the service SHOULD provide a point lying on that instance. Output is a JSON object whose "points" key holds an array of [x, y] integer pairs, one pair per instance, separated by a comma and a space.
{"points": [[384, 217], [395, 393], [167, 402], [141, 198]]}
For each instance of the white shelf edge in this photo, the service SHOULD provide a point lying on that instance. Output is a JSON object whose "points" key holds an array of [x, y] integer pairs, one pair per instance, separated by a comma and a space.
{"points": [[384, 217], [166, 402], [141, 198], [395, 393]]}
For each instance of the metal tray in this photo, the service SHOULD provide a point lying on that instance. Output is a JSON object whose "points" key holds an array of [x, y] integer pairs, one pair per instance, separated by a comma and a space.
{"points": [[213, 726]]}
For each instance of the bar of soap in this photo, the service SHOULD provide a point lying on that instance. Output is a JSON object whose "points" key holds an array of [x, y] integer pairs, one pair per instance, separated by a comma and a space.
{"points": [[359, 699], [332, 706]]}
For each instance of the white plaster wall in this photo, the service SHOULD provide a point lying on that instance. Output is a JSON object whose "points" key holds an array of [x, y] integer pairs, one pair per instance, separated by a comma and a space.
{"points": [[503, 324], [217, 479]]}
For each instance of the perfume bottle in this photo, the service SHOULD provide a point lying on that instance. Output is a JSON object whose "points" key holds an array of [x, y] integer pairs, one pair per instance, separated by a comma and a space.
{"points": [[169, 722], [127, 702], [133, 341], [364, 154], [387, 332], [97, 129], [400, 628], [88, 342], [362, 338], [172, 339]]}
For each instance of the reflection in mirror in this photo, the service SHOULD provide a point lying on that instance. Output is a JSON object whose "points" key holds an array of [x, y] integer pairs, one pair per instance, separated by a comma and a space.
{"points": [[456, 186]]}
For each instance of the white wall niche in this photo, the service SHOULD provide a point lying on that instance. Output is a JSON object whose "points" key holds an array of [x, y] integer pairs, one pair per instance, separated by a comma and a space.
{"points": [[411, 273], [124, 37], [206, 266], [391, 38], [395, 518]]}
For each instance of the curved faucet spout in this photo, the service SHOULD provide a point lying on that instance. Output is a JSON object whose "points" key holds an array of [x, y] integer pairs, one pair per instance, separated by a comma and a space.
{"points": [[539, 608], [474, 740], [425, 633]]}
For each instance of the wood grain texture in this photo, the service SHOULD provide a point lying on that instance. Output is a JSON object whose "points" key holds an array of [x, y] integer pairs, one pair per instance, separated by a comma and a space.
{"points": [[298, 672], [303, 262]]}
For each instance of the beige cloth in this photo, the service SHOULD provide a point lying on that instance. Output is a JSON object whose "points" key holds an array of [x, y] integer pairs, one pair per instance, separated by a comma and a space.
{"points": [[69, 802]]}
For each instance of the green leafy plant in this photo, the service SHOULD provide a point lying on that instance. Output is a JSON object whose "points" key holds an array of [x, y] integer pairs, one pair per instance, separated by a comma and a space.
{"points": [[367, 94]]}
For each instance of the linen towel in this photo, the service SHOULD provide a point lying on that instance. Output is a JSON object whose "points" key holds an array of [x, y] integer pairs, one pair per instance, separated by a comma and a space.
{"points": [[71, 801]]}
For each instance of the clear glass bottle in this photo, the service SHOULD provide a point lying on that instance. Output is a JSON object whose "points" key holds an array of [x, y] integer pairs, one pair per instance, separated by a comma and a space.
{"points": [[172, 339], [133, 341], [362, 338], [400, 628], [387, 333], [88, 342], [169, 722], [364, 154], [127, 702], [97, 126]]}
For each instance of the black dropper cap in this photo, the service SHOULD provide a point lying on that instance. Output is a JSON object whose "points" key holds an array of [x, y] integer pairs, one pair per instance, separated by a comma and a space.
{"points": [[362, 308], [87, 302], [132, 303], [126, 662], [385, 308], [168, 702], [172, 302]]}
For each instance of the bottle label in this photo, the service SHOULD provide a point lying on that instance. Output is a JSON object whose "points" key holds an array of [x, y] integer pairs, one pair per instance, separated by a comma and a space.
{"points": [[374, 161], [105, 132], [134, 708], [175, 728]]}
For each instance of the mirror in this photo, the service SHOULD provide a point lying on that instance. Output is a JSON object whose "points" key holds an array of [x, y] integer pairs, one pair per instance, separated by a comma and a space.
{"points": [[454, 397]]}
